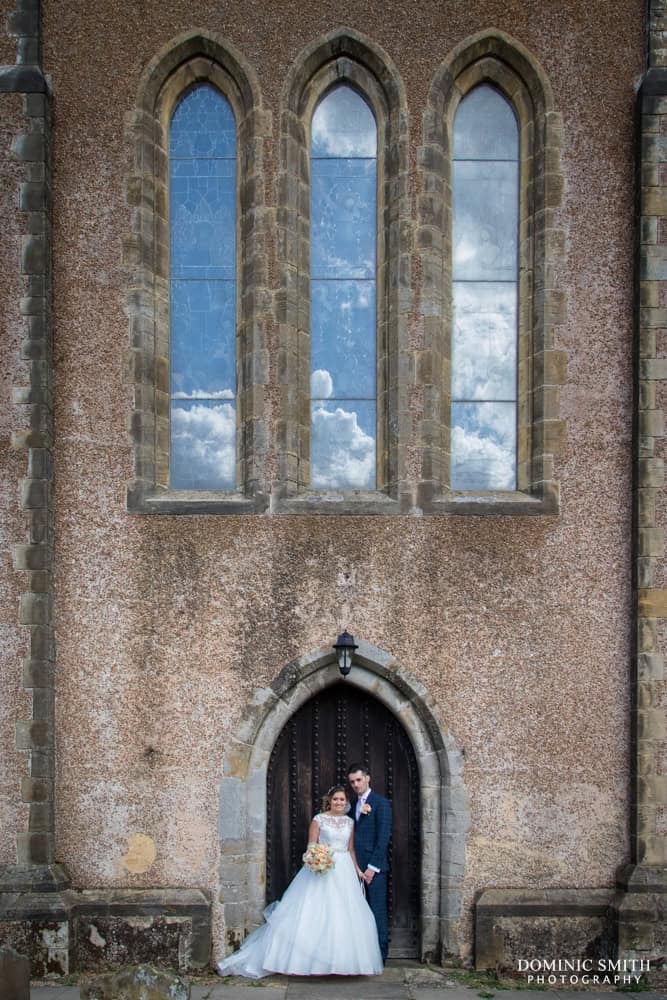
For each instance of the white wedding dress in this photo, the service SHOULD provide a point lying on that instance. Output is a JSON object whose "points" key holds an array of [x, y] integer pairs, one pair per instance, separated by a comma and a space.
{"points": [[321, 926]]}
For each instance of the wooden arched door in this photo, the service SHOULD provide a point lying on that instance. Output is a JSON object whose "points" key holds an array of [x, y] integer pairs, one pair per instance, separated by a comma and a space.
{"points": [[340, 725]]}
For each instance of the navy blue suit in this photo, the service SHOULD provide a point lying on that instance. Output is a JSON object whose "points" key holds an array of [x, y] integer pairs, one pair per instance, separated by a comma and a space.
{"points": [[372, 833]]}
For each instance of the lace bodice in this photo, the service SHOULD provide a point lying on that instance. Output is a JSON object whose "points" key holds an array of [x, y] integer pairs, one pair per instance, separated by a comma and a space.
{"points": [[334, 830]]}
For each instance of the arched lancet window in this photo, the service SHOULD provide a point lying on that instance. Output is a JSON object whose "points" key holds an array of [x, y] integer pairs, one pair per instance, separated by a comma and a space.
{"points": [[485, 232], [202, 285], [343, 292]]}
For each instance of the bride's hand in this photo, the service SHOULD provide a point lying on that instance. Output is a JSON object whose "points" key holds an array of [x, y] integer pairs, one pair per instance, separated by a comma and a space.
{"points": [[360, 874]]}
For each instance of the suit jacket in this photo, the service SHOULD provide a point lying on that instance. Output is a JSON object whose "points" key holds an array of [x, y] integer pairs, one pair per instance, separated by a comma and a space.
{"points": [[372, 832]]}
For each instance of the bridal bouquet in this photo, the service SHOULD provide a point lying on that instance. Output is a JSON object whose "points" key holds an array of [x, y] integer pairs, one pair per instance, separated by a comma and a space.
{"points": [[319, 858]]}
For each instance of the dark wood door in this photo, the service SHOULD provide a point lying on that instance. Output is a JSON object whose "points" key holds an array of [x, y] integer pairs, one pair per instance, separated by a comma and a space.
{"points": [[334, 728]]}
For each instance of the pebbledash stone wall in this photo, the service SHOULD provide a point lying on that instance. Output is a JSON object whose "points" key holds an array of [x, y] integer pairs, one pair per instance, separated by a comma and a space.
{"points": [[173, 633]]}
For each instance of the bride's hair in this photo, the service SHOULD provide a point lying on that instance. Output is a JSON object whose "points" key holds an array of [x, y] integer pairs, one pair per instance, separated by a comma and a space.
{"points": [[326, 799]]}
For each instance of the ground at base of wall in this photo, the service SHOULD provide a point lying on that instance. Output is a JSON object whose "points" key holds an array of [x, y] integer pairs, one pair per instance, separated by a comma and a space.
{"points": [[400, 981], [392, 985]]}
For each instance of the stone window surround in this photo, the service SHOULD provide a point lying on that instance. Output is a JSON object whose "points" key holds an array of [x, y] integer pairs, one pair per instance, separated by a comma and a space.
{"points": [[493, 58], [413, 367], [191, 59], [343, 57]]}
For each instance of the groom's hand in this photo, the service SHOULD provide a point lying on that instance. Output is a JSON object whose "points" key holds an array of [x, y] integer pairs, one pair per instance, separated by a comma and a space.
{"points": [[369, 875]]}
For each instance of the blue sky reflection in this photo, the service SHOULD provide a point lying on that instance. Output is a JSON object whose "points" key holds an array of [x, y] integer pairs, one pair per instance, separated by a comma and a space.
{"points": [[343, 292], [485, 229], [202, 207], [483, 446]]}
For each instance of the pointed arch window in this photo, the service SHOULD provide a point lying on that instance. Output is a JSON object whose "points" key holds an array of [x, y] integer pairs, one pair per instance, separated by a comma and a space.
{"points": [[343, 292], [490, 173], [202, 291], [485, 276], [194, 251]]}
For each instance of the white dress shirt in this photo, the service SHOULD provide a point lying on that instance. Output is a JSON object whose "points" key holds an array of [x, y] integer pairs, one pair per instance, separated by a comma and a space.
{"points": [[361, 801]]}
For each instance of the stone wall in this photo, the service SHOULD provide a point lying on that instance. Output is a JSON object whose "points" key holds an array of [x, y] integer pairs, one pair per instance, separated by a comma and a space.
{"points": [[167, 626], [15, 703]]}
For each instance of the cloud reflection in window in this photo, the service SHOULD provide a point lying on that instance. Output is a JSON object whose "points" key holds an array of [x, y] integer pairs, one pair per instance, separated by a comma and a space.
{"points": [[202, 213], [483, 442], [343, 220], [203, 445], [342, 451], [343, 125], [485, 228]]}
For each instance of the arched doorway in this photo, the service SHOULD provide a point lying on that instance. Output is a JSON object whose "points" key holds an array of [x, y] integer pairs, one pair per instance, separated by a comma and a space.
{"points": [[443, 801], [334, 727]]}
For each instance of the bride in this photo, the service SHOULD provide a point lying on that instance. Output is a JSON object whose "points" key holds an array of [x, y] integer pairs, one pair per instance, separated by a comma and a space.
{"points": [[323, 924]]}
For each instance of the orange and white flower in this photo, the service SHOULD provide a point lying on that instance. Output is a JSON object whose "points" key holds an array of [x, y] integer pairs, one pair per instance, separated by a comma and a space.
{"points": [[365, 809], [319, 858]]}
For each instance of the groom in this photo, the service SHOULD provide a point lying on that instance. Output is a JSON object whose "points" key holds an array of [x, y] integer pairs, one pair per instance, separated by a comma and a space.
{"points": [[372, 832]]}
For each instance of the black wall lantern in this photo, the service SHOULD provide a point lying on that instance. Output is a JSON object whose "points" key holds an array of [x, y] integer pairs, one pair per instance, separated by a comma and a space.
{"points": [[345, 647]]}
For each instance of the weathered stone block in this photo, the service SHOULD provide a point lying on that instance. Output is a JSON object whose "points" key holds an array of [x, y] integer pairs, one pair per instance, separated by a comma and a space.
{"points": [[36, 789], [33, 258], [36, 105], [29, 147], [653, 603], [33, 735], [653, 261], [40, 819], [140, 982], [14, 975], [651, 541], [37, 673], [30, 557], [35, 848], [39, 933], [520, 923], [117, 927], [34, 609], [32, 197], [652, 423], [27, 50], [646, 570], [24, 21], [652, 472]]}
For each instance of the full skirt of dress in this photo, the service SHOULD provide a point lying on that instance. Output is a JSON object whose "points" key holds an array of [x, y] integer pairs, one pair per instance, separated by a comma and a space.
{"points": [[321, 926]]}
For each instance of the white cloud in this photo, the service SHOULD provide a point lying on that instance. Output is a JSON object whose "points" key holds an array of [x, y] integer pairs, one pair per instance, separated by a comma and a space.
{"points": [[481, 462], [327, 262], [343, 125], [321, 384], [203, 447], [484, 342], [342, 454], [203, 394]]}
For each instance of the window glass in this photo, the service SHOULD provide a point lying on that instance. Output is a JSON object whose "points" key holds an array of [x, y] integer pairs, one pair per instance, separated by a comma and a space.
{"points": [[485, 228], [343, 238], [202, 215]]}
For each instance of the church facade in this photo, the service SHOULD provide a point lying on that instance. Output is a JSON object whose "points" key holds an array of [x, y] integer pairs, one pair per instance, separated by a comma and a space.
{"points": [[317, 321]]}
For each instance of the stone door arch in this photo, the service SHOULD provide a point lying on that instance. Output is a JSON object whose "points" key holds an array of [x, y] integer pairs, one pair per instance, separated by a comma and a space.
{"points": [[443, 801]]}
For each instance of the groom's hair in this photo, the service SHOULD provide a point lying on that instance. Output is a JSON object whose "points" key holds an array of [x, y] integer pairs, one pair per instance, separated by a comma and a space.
{"points": [[354, 767]]}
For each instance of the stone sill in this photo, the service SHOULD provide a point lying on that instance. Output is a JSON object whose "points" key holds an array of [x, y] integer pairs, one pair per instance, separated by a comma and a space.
{"points": [[343, 503], [545, 902], [499, 503], [195, 502]]}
